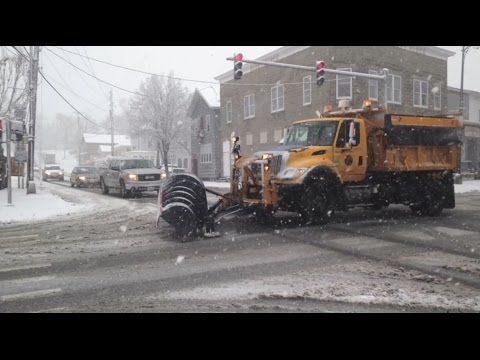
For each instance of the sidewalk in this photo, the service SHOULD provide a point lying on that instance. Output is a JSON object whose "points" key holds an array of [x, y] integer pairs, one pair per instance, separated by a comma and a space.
{"points": [[39, 206]]}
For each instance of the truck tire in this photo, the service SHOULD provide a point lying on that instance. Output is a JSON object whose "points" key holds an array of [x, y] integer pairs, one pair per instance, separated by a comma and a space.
{"points": [[316, 205], [431, 203], [104, 187]]}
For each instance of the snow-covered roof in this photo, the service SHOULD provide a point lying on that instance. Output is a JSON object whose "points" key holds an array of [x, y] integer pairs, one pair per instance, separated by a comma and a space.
{"points": [[106, 139], [105, 148], [211, 95]]}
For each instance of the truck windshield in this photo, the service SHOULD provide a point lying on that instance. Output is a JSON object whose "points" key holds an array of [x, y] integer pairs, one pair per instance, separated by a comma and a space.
{"points": [[136, 164], [312, 134]]}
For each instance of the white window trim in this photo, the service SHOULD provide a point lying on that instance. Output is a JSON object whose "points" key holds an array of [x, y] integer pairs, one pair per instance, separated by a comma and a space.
{"points": [[250, 116], [439, 95], [393, 92], [204, 154], [277, 87], [229, 111], [420, 81], [351, 82], [370, 84], [309, 82], [208, 124]]}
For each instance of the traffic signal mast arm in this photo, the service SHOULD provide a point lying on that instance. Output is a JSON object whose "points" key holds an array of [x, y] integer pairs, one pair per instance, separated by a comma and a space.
{"points": [[314, 69]]}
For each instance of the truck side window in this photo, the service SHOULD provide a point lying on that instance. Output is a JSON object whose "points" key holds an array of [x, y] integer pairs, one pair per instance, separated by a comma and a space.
{"points": [[342, 135]]}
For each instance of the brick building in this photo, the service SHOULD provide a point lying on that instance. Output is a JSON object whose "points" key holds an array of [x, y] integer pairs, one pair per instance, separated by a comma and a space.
{"points": [[261, 105]]}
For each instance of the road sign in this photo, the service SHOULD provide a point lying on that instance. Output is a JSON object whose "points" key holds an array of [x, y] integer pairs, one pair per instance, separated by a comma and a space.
{"points": [[20, 156]]}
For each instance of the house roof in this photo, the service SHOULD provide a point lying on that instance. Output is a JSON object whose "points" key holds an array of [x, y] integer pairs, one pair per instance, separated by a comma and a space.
{"points": [[105, 139], [286, 51], [105, 148], [210, 95]]}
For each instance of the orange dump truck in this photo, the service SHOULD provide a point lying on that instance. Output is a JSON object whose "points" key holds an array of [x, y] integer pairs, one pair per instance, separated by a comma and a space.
{"points": [[352, 157]]}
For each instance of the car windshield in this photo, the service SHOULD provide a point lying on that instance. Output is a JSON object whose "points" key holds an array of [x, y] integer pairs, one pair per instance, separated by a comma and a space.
{"points": [[88, 170], [312, 134], [52, 168], [136, 164]]}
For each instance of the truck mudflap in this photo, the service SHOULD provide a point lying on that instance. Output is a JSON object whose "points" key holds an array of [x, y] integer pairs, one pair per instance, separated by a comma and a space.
{"points": [[183, 204]]}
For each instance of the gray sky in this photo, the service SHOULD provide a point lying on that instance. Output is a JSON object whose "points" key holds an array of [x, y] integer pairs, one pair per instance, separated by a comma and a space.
{"points": [[190, 62]]}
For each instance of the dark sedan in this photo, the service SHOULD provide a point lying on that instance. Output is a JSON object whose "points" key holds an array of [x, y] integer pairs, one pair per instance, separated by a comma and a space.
{"points": [[84, 176]]}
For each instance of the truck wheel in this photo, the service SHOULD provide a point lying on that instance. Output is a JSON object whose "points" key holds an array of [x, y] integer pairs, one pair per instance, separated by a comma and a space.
{"points": [[431, 204], [316, 204], [104, 187], [124, 193]]}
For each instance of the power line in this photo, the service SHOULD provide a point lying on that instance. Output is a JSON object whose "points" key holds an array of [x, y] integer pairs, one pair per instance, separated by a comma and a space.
{"points": [[93, 72], [67, 88], [106, 82], [173, 77], [73, 107]]}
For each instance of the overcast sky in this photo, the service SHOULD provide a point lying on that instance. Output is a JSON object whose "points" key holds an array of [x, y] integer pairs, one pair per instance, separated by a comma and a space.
{"points": [[189, 62]]}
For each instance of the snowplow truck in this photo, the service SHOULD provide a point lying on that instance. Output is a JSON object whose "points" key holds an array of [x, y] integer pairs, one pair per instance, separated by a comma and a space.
{"points": [[343, 159]]}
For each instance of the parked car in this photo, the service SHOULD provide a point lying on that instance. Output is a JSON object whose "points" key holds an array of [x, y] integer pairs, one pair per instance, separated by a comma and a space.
{"points": [[84, 176], [129, 176], [52, 171]]}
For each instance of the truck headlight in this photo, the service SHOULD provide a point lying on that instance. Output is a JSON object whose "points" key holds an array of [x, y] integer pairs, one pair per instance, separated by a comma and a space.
{"points": [[163, 176], [132, 177], [83, 178], [48, 172], [290, 173]]}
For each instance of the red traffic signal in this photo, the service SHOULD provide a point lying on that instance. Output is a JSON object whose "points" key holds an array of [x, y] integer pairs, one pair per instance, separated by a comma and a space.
{"points": [[320, 73], [237, 67]]}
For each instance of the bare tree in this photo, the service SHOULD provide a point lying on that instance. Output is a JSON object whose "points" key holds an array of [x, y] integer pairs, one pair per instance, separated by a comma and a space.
{"points": [[160, 111], [13, 82]]}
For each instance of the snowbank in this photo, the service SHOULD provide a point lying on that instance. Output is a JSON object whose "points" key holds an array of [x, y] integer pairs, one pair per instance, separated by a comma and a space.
{"points": [[467, 186], [39, 206]]}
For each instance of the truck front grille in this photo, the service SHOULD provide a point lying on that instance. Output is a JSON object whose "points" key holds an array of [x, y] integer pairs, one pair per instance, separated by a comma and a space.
{"points": [[276, 164], [151, 177]]}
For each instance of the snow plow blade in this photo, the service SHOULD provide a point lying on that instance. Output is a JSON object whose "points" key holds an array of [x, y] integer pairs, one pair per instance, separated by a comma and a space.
{"points": [[183, 204]]}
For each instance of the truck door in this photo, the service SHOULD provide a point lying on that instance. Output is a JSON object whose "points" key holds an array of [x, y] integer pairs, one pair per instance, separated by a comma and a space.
{"points": [[350, 154]]}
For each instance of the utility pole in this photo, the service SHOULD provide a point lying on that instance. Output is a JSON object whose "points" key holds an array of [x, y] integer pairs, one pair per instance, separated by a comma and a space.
{"points": [[34, 57], [80, 142], [464, 52], [111, 120], [9, 161]]}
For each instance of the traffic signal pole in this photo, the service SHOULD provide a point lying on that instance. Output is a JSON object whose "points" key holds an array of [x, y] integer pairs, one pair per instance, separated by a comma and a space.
{"points": [[34, 55], [314, 69]]}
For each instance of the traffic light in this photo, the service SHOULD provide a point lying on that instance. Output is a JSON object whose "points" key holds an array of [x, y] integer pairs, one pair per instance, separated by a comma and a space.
{"points": [[237, 67], [320, 72]]}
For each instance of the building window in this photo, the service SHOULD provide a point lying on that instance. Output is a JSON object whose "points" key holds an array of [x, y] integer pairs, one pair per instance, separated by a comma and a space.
{"points": [[420, 93], [207, 121], [373, 87], [229, 111], [206, 153], [344, 85], [307, 90], [394, 89], [179, 162], [277, 98], [263, 137], [249, 139], [249, 106], [277, 135], [185, 163], [437, 97]]}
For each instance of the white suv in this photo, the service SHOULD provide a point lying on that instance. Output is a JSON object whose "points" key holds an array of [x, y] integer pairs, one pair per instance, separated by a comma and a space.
{"points": [[129, 176]]}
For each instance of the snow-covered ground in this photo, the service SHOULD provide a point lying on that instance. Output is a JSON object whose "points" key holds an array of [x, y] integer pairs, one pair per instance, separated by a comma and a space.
{"points": [[467, 186], [39, 206]]}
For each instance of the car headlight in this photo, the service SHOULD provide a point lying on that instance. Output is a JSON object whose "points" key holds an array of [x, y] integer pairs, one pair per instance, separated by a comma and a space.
{"points": [[291, 173], [132, 177], [82, 178], [61, 172], [163, 176], [48, 172]]}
